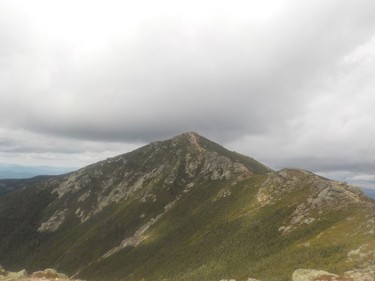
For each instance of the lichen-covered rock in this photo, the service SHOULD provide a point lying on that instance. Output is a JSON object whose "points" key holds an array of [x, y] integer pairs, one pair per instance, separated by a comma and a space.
{"points": [[310, 275]]}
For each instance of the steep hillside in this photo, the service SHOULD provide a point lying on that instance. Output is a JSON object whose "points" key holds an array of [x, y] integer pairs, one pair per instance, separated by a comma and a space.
{"points": [[186, 209], [9, 185]]}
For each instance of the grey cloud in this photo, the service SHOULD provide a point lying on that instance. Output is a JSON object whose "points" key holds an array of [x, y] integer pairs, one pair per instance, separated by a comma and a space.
{"points": [[278, 89], [241, 79], [329, 165]]}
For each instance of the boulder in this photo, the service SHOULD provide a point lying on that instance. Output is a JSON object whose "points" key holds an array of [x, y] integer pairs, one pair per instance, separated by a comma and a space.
{"points": [[311, 275], [12, 276], [49, 273], [364, 274]]}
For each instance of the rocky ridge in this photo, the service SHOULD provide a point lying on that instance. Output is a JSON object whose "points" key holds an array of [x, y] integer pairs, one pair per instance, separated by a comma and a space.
{"points": [[324, 194], [187, 209]]}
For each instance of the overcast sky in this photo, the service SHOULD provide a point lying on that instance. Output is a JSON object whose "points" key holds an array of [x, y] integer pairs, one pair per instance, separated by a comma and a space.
{"points": [[288, 82]]}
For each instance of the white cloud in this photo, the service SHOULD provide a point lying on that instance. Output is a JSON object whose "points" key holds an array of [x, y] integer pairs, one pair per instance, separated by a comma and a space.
{"points": [[288, 82]]}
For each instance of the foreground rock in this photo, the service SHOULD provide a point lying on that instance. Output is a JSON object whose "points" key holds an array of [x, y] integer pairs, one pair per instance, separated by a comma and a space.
{"points": [[45, 275], [367, 274], [10, 276], [311, 275], [49, 274], [2, 271]]}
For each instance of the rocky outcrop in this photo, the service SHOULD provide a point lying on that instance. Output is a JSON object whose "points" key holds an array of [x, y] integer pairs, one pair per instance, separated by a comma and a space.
{"points": [[364, 274], [323, 191], [54, 222], [134, 240], [367, 274], [48, 274], [324, 194], [11, 276], [312, 275]]}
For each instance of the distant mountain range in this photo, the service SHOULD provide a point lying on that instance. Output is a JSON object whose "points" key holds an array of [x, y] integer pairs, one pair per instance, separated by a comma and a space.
{"points": [[9, 174], [369, 192], [187, 209], [23, 172], [9, 185]]}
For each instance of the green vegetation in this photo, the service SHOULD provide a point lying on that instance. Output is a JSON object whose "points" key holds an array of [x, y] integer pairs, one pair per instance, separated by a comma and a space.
{"points": [[217, 228], [202, 239], [20, 212]]}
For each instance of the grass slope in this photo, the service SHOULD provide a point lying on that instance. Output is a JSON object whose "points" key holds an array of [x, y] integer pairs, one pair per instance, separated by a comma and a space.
{"points": [[215, 230], [207, 239]]}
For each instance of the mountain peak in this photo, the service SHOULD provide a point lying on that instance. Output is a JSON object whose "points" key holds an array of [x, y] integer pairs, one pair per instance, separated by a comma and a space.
{"points": [[187, 136], [202, 148], [207, 212], [193, 138], [175, 164]]}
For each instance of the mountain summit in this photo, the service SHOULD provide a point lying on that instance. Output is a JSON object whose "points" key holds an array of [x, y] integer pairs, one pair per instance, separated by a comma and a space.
{"points": [[186, 209]]}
